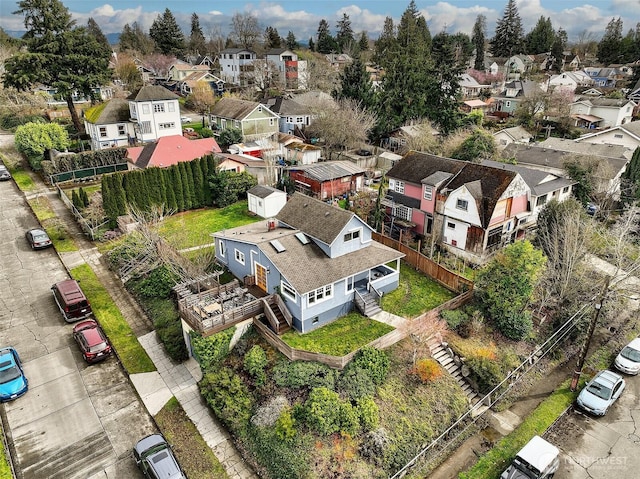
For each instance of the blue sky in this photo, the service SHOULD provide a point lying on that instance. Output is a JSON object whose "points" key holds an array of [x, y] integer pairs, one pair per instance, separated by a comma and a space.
{"points": [[302, 17]]}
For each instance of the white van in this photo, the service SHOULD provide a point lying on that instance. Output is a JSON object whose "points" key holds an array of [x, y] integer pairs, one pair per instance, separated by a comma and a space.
{"points": [[538, 459]]}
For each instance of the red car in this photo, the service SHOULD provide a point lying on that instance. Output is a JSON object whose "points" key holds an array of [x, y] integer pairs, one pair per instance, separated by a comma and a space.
{"points": [[92, 341]]}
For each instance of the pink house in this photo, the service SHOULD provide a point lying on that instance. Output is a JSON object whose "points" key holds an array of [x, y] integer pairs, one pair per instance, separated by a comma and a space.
{"points": [[170, 150]]}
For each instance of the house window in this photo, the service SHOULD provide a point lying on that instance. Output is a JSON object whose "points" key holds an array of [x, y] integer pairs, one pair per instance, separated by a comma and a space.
{"points": [[239, 256], [617, 136], [271, 121], [398, 186], [145, 127], [158, 108], [237, 124], [145, 109], [299, 119], [171, 107], [494, 237], [352, 235], [350, 283], [260, 203], [462, 204], [428, 193], [321, 294], [288, 291], [451, 226], [289, 119], [403, 212], [121, 130], [166, 126], [260, 109], [103, 132], [565, 189], [221, 248], [507, 103], [541, 200]]}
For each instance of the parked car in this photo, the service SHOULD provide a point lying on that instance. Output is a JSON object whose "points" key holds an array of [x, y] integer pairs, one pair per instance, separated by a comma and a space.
{"points": [[71, 301], [628, 360], [601, 392], [4, 173], [92, 341], [185, 119], [538, 459], [155, 458], [38, 238], [13, 382]]}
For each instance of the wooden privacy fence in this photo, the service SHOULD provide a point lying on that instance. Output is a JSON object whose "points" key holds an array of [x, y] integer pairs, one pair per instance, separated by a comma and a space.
{"points": [[442, 275]]}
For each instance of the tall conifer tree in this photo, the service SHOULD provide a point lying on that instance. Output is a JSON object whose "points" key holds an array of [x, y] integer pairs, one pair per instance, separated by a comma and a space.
{"points": [[509, 37]]}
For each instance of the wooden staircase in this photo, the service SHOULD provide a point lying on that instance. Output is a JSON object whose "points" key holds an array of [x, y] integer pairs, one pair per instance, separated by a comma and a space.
{"points": [[367, 303], [277, 314], [443, 355]]}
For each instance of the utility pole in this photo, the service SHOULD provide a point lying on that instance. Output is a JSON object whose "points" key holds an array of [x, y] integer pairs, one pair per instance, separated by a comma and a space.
{"points": [[587, 341]]}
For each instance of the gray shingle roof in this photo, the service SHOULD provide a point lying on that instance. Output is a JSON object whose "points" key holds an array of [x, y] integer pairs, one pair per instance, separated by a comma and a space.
{"points": [[586, 148], [415, 167], [263, 191], [233, 108], [152, 92], [533, 178], [286, 107], [328, 170]]}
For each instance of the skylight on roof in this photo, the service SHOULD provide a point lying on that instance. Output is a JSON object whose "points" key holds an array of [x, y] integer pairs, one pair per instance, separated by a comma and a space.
{"points": [[277, 246], [302, 238]]}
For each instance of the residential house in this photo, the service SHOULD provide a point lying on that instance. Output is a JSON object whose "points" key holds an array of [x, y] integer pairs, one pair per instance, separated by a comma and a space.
{"points": [[515, 134], [627, 136], [469, 86], [609, 168], [601, 112], [265, 201], [470, 209], [266, 173], [181, 70], [291, 70], [634, 94], [514, 93], [338, 60], [569, 81], [518, 65], [170, 150], [294, 152], [602, 77], [155, 112], [191, 82], [236, 65], [327, 180], [253, 119], [201, 60], [294, 117], [543, 188], [469, 105], [108, 125], [319, 258], [571, 62]]}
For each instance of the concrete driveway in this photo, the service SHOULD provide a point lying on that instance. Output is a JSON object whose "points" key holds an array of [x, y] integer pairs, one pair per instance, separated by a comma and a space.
{"points": [[605, 447], [76, 421]]}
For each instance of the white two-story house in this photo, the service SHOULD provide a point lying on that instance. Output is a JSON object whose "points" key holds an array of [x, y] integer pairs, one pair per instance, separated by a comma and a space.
{"points": [[236, 65], [155, 112], [108, 125]]}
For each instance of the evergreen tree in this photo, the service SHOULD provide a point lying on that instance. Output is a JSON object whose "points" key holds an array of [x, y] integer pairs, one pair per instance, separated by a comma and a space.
{"points": [[291, 43], [557, 50], [167, 180], [204, 166], [412, 30], [509, 37], [75, 200], [610, 47], [356, 84], [58, 54], [135, 39], [187, 185], [478, 39], [198, 183], [119, 196], [326, 43], [197, 42], [385, 45], [167, 35], [363, 42], [177, 186], [445, 91], [94, 30], [541, 38], [108, 201], [83, 197], [312, 46], [631, 178], [272, 38], [344, 35]]}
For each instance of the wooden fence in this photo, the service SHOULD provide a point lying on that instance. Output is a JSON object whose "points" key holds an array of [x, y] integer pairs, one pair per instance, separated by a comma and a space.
{"points": [[442, 275]]}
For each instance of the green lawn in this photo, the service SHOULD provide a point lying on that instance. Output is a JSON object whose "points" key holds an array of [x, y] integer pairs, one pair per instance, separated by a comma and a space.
{"points": [[5, 469], [341, 337], [415, 295], [194, 228], [54, 227], [21, 177], [132, 355]]}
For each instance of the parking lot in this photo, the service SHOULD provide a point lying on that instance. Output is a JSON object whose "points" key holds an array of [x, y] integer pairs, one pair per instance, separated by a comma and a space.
{"points": [[76, 420]]}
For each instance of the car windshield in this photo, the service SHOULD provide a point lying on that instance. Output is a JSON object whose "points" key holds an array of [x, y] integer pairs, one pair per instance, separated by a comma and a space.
{"points": [[40, 237], [599, 390], [98, 347], [630, 354], [8, 374]]}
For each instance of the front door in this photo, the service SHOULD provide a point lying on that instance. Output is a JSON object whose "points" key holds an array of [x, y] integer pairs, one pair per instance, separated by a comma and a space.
{"points": [[261, 277]]}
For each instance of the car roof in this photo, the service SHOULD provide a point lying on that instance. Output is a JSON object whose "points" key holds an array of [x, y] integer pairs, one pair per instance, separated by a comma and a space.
{"points": [[92, 335], [37, 231], [606, 376], [539, 453], [635, 344], [69, 286], [7, 358]]}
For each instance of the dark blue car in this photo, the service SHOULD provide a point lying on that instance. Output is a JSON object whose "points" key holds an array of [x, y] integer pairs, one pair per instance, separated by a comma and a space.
{"points": [[13, 382]]}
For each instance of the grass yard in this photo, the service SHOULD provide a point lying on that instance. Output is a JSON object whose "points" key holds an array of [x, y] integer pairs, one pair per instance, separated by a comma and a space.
{"points": [[194, 228], [194, 455], [89, 190], [415, 295], [54, 227], [5, 469], [20, 176], [341, 337], [132, 355]]}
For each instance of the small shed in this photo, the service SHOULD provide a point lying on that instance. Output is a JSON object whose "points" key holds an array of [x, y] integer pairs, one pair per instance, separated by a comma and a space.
{"points": [[266, 201]]}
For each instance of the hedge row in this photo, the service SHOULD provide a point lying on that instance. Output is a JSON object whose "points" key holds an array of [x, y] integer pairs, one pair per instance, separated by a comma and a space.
{"points": [[78, 161]]}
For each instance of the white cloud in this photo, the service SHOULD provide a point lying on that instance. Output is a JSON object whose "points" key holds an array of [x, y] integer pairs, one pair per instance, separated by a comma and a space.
{"points": [[453, 19], [215, 12]]}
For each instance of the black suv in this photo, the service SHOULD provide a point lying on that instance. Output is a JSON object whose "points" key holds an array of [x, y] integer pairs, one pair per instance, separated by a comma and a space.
{"points": [[154, 457]]}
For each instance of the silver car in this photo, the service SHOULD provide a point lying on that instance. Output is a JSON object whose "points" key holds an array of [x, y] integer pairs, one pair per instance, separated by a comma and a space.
{"points": [[628, 360], [4, 173], [601, 392]]}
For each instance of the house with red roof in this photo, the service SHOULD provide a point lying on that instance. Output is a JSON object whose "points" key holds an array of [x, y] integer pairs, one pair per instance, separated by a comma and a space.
{"points": [[170, 150]]}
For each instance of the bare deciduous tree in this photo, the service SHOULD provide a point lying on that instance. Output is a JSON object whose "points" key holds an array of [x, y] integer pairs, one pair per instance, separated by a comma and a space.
{"points": [[245, 29], [265, 77]]}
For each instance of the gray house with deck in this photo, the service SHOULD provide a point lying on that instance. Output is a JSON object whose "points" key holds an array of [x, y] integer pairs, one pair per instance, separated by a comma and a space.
{"points": [[321, 260]]}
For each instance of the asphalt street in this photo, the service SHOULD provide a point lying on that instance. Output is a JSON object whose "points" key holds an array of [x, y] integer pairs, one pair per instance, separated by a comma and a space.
{"points": [[76, 420]]}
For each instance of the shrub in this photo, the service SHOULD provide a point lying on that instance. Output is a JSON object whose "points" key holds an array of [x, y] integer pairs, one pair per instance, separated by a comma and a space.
{"points": [[427, 370], [228, 397], [374, 445], [374, 361], [206, 133], [368, 413], [268, 414], [254, 363], [211, 350], [33, 139], [304, 374], [349, 419], [355, 383], [169, 329], [454, 318], [322, 411], [286, 425], [486, 373], [282, 459], [157, 283]]}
